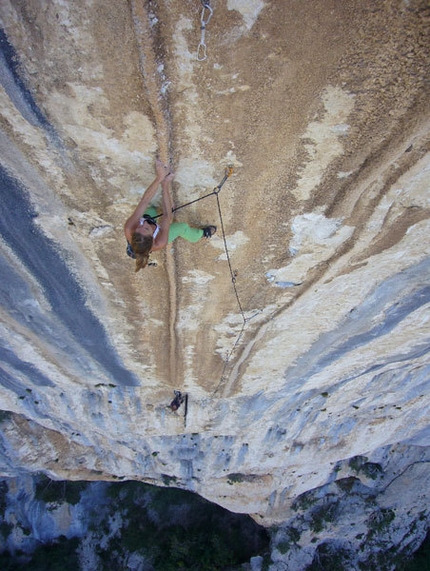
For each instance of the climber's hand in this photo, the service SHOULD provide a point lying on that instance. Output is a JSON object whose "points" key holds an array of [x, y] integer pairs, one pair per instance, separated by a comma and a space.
{"points": [[161, 169]]}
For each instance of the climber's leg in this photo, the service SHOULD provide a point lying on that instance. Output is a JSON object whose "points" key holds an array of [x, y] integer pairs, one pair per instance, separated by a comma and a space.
{"points": [[182, 229]]}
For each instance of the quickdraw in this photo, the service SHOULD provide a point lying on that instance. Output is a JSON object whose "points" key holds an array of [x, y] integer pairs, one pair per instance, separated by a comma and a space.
{"points": [[201, 48]]}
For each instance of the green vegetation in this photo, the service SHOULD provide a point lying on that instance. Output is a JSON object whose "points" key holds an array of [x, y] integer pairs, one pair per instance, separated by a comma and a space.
{"points": [[323, 514], [357, 462], [333, 556], [174, 530], [380, 520], [196, 551], [330, 557], [177, 530], [235, 478], [5, 415], [167, 480], [3, 492], [360, 464], [171, 529], [292, 536], [304, 501], [58, 491], [283, 547], [420, 560], [5, 529], [56, 556], [267, 560], [372, 470], [347, 484]]}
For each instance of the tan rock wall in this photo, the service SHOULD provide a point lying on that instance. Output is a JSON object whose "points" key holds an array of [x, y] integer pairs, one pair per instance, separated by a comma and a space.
{"points": [[321, 109]]}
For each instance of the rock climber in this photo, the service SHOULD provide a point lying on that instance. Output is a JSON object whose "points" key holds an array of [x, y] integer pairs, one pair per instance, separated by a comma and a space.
{"points": [[177, 401], [143, 233]]}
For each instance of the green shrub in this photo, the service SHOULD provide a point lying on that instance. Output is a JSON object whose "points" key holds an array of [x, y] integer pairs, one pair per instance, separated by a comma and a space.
{"points": [[304, 501], [283, 547], [347, 484], [59, 555], [419, 561], [58, 491], [167, 480], [267, 560], [3, 494], [5, 415], [357, 462], [235, 478], [194, 535], [5, 529], [371, 470]]}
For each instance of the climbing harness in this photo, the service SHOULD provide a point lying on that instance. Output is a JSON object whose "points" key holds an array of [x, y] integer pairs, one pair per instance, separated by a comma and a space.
{"points": [[201, 49]]}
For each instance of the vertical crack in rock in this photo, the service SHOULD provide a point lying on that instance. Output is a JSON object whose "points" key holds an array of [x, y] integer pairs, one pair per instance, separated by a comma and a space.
{"points": [[151, 80]]}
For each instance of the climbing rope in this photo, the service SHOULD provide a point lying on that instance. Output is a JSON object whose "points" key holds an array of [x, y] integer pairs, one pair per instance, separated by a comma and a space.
{"points": [[232, 273], [215, 192], [201, 49]]}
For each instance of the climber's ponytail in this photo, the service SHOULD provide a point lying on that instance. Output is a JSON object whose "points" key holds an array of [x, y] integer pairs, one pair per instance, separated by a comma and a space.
{"points": [[141, 246]]}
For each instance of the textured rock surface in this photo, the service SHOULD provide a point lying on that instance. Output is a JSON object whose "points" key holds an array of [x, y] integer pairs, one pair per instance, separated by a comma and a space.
{"points": [[322, 109]]}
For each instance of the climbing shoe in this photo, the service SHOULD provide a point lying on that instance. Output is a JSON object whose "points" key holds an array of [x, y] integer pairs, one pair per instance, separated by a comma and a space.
{"points": [[209, 231]]}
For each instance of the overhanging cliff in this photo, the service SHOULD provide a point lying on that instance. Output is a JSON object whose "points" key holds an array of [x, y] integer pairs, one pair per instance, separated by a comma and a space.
{"points": [[316, 352]]}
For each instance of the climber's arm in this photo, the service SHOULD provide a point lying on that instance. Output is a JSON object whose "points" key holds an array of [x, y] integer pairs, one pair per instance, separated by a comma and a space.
{"points": [[161, 172]]}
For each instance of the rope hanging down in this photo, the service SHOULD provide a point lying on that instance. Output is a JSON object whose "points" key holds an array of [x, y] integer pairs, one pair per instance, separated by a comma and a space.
{"points": [[233, 275], [215, 192]]}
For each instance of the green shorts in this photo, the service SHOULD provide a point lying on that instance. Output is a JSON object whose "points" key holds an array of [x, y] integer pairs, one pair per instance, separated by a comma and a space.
{"points": [[179, 229]]}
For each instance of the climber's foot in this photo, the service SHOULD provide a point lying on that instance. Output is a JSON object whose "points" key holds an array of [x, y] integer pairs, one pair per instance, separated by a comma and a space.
{"points": [[209, 231]]}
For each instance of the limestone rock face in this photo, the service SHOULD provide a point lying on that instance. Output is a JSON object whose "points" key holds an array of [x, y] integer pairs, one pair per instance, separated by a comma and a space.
{"points": [[300, 331]]}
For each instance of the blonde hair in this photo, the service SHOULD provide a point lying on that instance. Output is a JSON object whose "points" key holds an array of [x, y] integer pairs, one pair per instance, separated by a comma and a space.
{"points": [[141, 246]]}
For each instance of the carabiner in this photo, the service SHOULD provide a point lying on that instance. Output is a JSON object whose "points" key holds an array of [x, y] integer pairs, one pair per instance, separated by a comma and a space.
{"points": [[201, 52], [201, 49], [204, 22]]}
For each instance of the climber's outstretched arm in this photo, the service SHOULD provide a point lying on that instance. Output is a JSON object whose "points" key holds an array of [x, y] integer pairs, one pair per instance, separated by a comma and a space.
{"points": [[162, 171]]}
